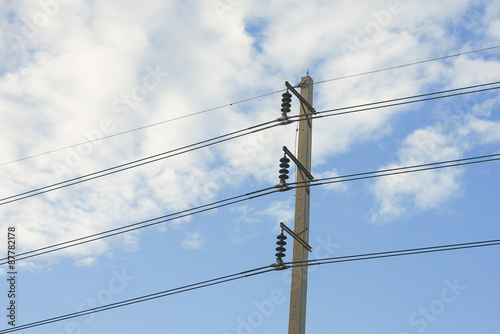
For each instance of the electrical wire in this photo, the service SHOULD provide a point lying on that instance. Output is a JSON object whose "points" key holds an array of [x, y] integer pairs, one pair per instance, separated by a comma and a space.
{"points": [[138, 163], [253, 195], [142, 224], [423, 95], [142, 127], [389, 103], [255, 272], [409, 64], [245, 274], [250, 99], [316, 182], [396, 171], [237, 134], [166, 293], [404, 252]]}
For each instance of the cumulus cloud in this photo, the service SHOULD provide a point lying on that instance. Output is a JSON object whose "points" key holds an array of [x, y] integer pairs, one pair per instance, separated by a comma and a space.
{"points": [[421, 191], [253, 221], [280, 211], [402, 195], [487, 131], [193, 240], [86, 262], [95, 68]]}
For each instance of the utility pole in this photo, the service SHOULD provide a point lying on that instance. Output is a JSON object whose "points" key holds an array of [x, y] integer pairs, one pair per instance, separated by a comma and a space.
{"points": [[298, 292]]}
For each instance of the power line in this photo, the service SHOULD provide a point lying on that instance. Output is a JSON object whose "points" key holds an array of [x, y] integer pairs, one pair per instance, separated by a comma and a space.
{"points": [[255, 272], [388, 103], [398, 171], [141, 128], [246, 100], [316, 182], [379, 255], [407, 102], [237, 134], [141, 224], [253, 195], [423, 95], [137, 163], [409, 64], [166, 293]]}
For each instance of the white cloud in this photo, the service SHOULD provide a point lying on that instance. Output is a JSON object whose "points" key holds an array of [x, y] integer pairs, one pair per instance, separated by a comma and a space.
{"points": [[82, 75], [404, 195], [253, 221], [401, 195], [193, 240], [494, 29], [280, 211], [486, 130], [86, 262], [247, 225]]}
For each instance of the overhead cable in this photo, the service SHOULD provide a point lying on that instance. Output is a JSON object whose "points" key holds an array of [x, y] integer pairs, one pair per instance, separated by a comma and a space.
{"points": [[397, 171], [255, 272], [393, 102], [141, 128], [137, 163], [404, 252], [253, 195], [142, 224], [409, 64], [161, 294], [237, 134], [249, 99]]}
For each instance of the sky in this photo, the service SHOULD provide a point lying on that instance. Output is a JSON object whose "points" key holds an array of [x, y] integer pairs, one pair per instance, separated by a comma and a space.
{"points": [[183, 71]]}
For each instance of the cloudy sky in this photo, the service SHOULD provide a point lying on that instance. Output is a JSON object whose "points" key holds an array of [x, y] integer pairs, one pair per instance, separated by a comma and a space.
{"points": [[153, 76]]}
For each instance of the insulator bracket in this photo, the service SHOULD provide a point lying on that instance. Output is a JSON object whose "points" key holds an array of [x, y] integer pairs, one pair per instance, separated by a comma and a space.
{"points": [[296, 237], [297, 162], [300, 97]]}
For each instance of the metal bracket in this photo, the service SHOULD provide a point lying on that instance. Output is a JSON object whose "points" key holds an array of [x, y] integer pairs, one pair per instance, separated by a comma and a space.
{"points": [[301, 231], [296, 237], [297, 162], [300, 97]]}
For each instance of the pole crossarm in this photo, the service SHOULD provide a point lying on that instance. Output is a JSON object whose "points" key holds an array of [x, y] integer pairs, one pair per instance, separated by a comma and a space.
{"points": [[297, 162], [300, 97], [296, 237]]}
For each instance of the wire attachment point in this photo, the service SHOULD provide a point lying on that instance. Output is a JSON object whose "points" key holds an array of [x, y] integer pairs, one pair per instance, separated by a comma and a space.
{"points": [[280, 265], [284, 165]]}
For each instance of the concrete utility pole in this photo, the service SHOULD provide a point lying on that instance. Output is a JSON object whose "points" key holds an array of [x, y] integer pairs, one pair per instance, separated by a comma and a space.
{"points": [[298, 293]]}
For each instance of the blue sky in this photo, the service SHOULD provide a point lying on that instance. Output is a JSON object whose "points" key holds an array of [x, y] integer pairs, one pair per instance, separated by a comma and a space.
{"points": [[77, 70]]}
